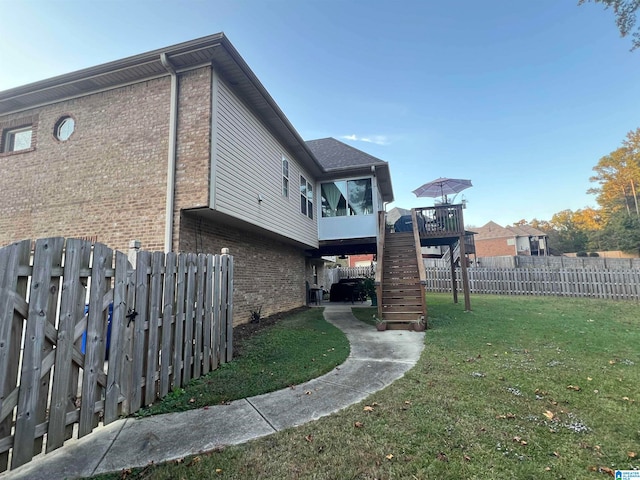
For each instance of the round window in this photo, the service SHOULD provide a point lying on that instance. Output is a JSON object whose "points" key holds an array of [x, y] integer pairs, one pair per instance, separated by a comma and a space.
{"points": [[64, 128]]}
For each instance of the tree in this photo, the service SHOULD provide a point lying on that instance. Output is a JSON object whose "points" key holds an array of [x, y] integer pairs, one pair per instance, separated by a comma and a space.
{"points": [[619, 177], [570, 238], [622, 233], [625, 12]]}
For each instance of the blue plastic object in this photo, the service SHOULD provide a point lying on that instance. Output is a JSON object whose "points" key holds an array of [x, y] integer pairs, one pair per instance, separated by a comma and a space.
{"points": [[84, 335]]}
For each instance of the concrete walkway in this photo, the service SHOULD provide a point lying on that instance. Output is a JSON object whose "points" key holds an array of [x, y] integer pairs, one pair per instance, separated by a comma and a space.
{"points": [[375, 361]]}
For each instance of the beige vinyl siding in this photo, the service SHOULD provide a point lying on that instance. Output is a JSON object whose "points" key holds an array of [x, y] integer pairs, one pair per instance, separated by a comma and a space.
{"points": [[247, 165]]}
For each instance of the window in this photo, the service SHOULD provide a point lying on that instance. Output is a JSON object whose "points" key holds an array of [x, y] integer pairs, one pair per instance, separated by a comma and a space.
{"points": [[17, 139], [285, 177], [347, 198], [306, 197], [64, 128]]}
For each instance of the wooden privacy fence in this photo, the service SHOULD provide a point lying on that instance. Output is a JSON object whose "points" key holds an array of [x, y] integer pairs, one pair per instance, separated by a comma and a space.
{"points": [[566, 282], [85, 338]]}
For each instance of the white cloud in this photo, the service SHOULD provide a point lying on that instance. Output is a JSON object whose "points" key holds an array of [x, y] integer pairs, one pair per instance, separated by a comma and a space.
{"points": [[377, 139]]}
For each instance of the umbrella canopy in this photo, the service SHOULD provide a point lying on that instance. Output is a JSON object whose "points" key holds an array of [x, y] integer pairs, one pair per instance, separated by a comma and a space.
{"points": [[442, 187]]}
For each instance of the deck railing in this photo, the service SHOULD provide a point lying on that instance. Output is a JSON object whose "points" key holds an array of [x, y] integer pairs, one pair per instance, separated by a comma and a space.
{"points": [[440, 221]]}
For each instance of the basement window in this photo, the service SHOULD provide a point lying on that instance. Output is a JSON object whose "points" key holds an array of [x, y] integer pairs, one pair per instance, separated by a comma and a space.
{"points": [[17, 139]]}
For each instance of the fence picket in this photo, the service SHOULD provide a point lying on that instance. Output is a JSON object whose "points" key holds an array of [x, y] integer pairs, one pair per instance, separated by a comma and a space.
{"points": [[181, 286], [13, 290], [155, 312], [217, 288], [92, 382], [116, 352], [187, 349], [77, 257], [198, 333], [168, 323], [208, 316], [28, 413], [143, 266]]}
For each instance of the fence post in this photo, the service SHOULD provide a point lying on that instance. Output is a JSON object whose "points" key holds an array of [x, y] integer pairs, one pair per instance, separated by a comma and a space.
{"points": [[228, 304], [134, 248]]}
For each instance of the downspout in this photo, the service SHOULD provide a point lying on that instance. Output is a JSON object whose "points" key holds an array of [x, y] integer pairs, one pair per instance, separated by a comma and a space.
{"points": [[171, 154]]}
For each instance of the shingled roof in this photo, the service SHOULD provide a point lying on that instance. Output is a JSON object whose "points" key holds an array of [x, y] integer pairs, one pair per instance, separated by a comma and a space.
{"points": [[337, 157], [493, 230], [333, 154]]}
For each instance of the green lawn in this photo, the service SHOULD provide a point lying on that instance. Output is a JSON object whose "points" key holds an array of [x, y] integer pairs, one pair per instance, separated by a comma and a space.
{"points": [[521, 387], [291, 351]]}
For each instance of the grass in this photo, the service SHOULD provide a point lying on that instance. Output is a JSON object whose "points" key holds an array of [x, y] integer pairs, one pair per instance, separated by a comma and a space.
{"points": [[291, 351], [521, 387]]}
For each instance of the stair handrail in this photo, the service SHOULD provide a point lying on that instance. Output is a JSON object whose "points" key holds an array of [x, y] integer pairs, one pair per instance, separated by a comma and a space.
{"points": [[382, 228], [422, 272]]}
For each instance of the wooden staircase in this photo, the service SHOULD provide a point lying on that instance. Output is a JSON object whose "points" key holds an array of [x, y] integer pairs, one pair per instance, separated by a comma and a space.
{"points": [[402, 299]]}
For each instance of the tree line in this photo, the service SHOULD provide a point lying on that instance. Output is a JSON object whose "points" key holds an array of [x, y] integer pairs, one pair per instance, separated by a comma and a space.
{"points": [[615, 223]]}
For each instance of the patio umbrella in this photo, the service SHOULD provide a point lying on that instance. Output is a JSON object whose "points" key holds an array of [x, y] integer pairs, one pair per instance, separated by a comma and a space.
{"points": [[442, 187]]}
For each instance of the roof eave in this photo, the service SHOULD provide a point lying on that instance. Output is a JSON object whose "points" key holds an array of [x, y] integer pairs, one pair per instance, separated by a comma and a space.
{"points": [[214, 50]]}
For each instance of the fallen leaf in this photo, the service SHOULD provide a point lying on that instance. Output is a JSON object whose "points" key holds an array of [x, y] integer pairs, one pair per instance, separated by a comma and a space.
{"points": [[374, 404], [467, 458], [489, 344], [549, 414], [573, 387], [612, 362], [309, 438], [523, 443], [517, 439], [589, 378], [195, 461], [358, 424], [308, 392], [367, 408], [605, 470], [192, 400], [389, 457], [547, 469], [631, 454], [218, 470], [407, 402]]}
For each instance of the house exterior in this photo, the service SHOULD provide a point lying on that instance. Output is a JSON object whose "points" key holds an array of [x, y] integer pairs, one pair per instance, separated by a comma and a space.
{"points": [[183, 149], [493, 240]]}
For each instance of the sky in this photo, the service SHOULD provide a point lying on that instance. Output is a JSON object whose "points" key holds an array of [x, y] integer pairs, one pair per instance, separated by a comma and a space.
{"points": [[522, 97]]}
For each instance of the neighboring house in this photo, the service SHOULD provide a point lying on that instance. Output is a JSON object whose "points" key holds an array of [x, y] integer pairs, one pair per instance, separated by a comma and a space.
{"points": [[365, 260], [183, 149], [493, 240]]}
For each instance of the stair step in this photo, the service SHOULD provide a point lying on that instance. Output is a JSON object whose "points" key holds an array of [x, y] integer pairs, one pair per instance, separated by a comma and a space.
{"points": [[401, 317]]}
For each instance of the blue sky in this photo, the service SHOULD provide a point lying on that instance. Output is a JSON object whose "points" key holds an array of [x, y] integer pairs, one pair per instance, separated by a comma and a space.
{"points": [[523, 97]]}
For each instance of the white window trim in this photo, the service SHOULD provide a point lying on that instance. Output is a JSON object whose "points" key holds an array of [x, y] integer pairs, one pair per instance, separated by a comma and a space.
{"points": [[309, 201], [286, 184], [8, 138]]}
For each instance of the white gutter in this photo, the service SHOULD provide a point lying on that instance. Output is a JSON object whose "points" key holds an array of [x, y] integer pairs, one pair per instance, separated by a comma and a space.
{"points": [[171, 154]]}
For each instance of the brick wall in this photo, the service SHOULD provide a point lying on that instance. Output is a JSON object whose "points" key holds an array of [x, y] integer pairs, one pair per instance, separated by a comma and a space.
{"points": [[108, 180], [267, 273], [193, 150]]}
